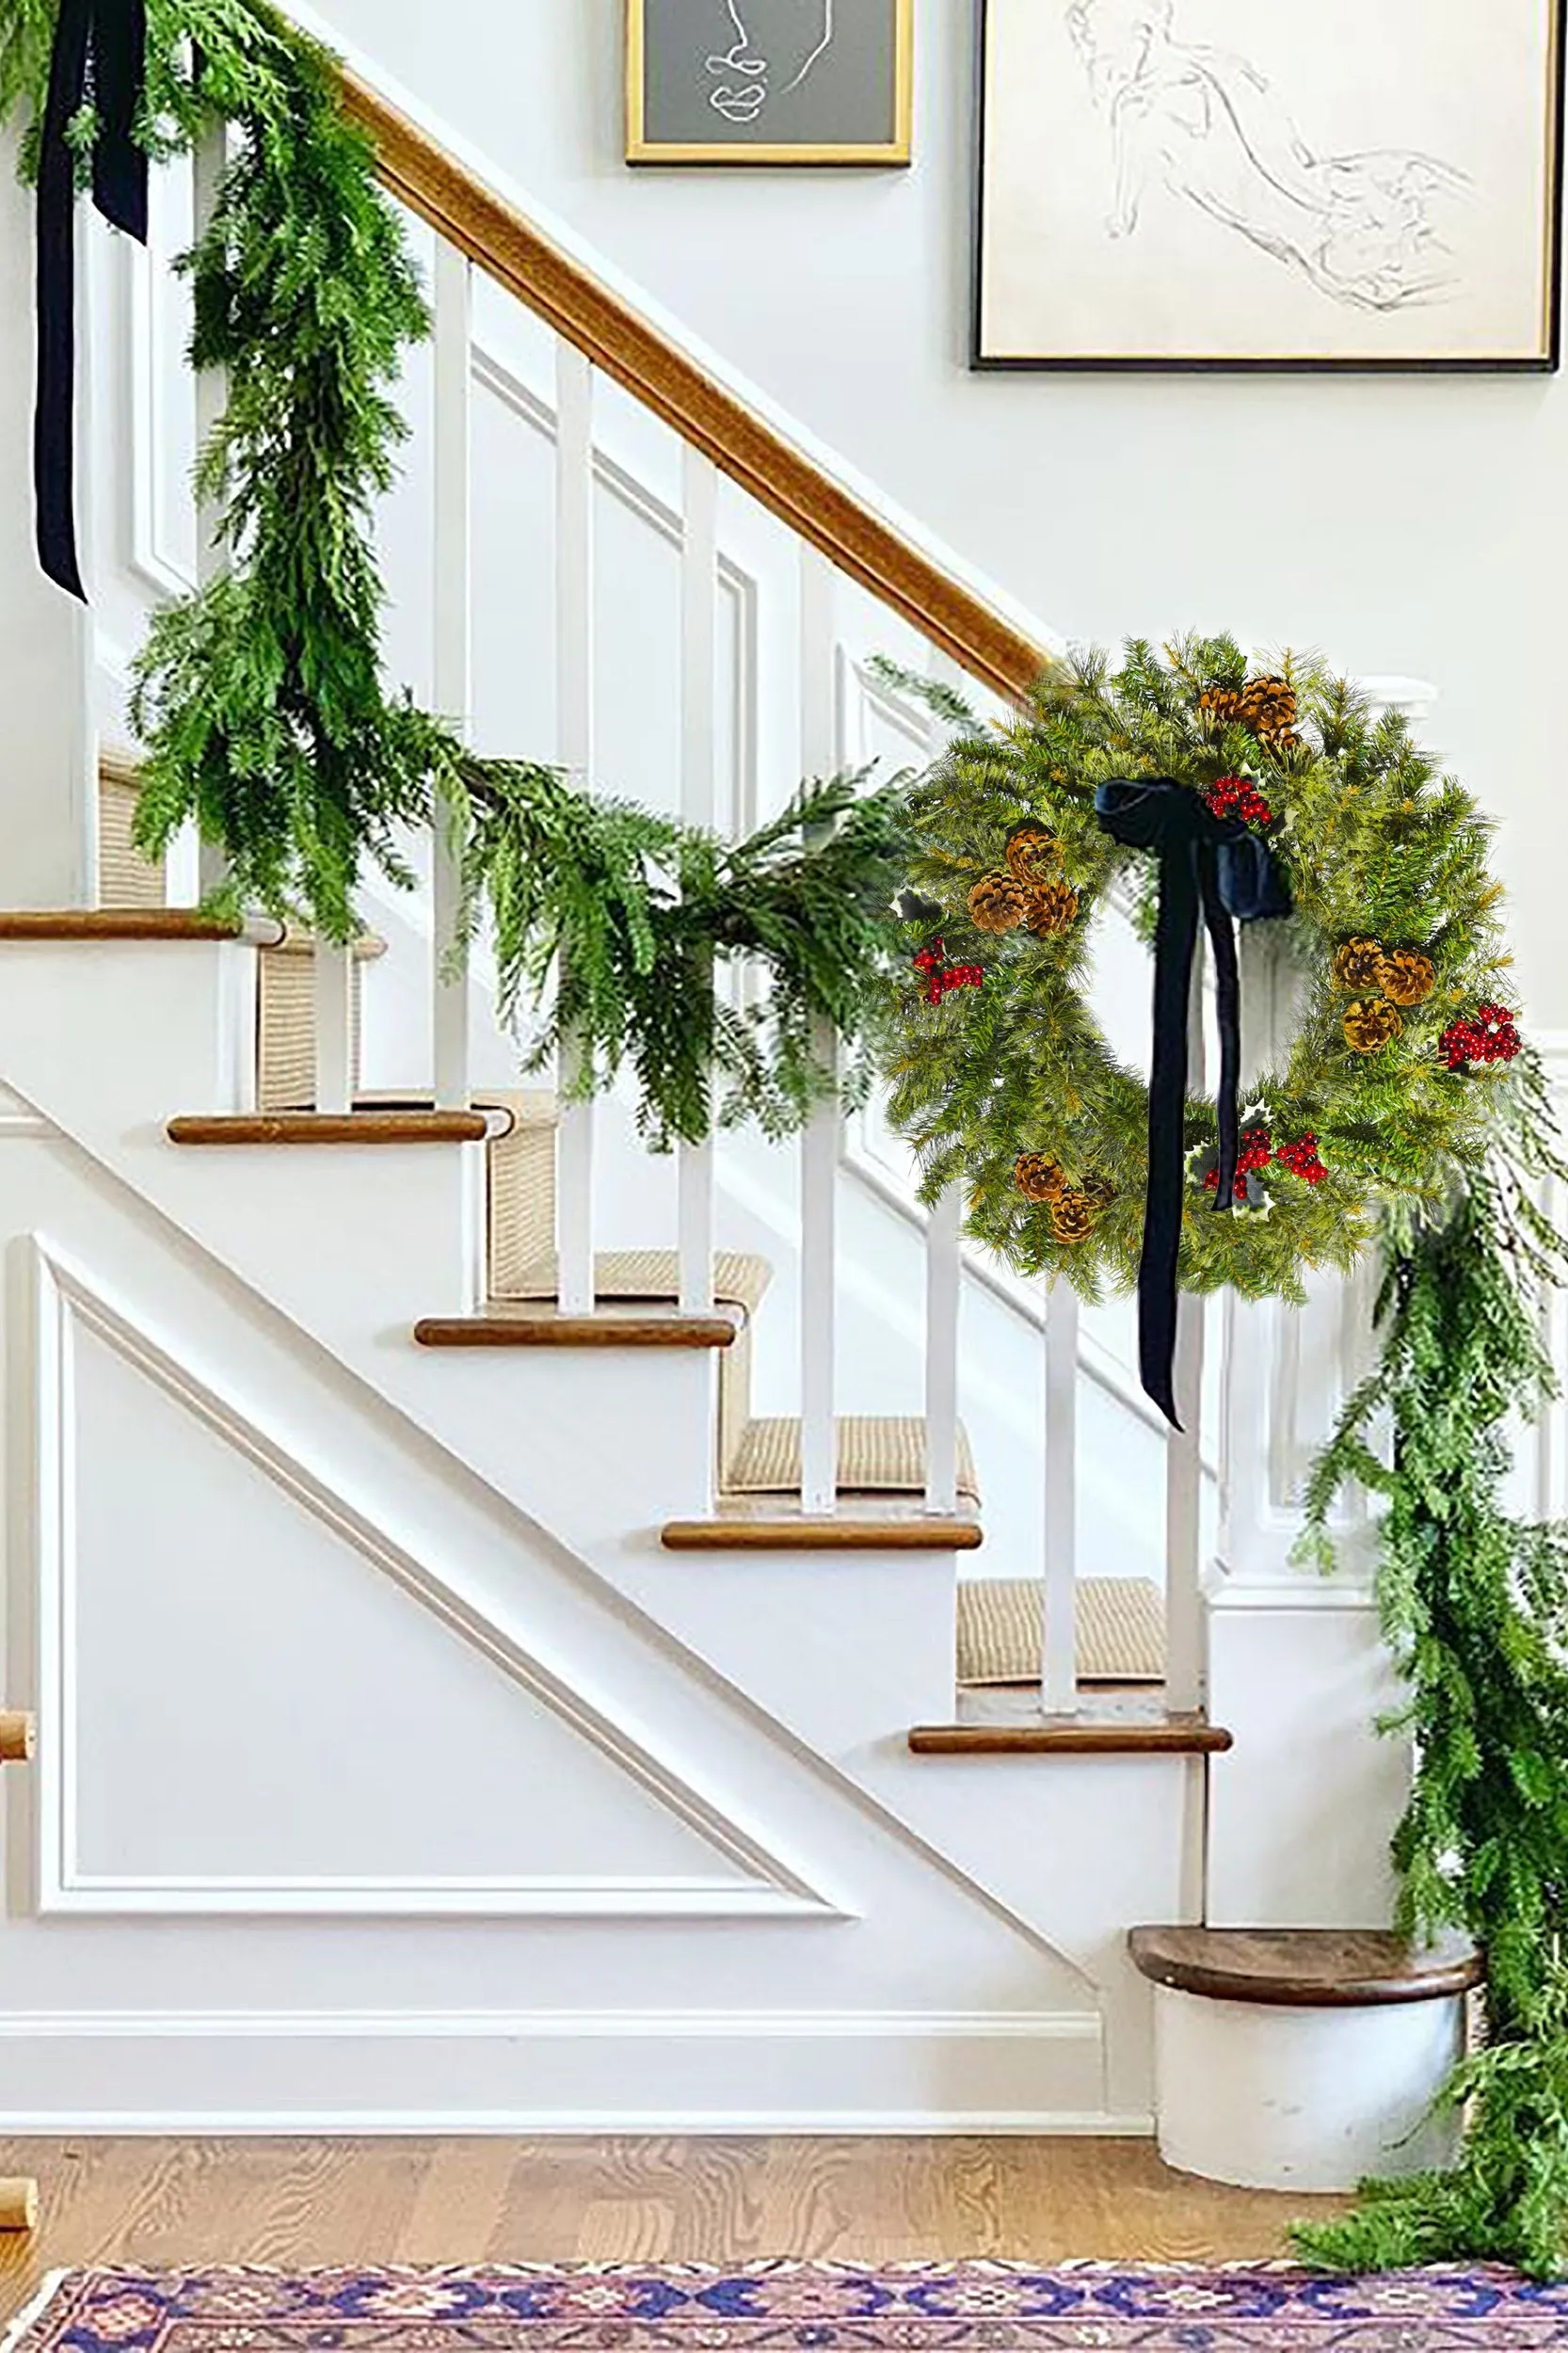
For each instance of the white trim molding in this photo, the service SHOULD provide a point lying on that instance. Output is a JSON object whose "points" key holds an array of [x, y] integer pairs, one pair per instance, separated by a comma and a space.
{"points": [[69, 1300], [491, 2072]]}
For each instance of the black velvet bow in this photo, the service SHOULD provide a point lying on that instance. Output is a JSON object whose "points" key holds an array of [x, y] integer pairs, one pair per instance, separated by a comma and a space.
{"points": [[100, 55], [1213, 869]]}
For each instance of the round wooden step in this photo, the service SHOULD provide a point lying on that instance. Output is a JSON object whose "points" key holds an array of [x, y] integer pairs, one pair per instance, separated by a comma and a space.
{"points": [[1302, 1968]]}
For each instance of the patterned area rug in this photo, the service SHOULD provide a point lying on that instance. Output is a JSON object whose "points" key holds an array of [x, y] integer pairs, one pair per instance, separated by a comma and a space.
{"points": [[817, 2308]]}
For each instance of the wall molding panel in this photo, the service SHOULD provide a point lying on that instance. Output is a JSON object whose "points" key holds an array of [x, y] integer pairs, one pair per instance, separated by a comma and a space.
{"points": [[753, 1882]]}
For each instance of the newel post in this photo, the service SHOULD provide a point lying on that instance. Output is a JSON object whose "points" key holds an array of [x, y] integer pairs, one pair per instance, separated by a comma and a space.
{"points": [[48, 848], [1302, 1810]]}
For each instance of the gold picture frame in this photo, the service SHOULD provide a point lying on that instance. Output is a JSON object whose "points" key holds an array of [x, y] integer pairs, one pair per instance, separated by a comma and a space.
{"points": [[659, 132]]}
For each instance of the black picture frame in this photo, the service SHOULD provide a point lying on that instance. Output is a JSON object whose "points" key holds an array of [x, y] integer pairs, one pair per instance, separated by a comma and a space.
{"points": [[1548, 361]]}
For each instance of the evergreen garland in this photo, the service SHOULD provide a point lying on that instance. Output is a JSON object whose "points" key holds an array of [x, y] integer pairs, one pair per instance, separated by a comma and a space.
{"points": [[260, 697], [1474, 1605]]}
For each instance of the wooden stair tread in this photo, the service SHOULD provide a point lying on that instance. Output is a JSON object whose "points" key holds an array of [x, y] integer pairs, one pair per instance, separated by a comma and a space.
{"points": [[528, 1323], [1302, 1968], [859, 1524], [110, 924], [878, 1454], [324, 1128], [368, 949], [1011, 1724]]}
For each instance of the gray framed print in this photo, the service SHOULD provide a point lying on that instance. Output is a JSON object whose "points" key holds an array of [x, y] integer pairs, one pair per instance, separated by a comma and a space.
{"points": [[769, 81], [1260, 183]]}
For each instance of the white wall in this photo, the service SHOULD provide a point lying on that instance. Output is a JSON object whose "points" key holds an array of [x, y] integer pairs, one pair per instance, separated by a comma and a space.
{"points": [[1408, 526]]}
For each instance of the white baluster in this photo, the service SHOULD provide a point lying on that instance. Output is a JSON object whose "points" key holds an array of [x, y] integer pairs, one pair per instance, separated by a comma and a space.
{"points": [[700, 577], [943, 1279], [1184, 1630], [819, 1172], [334, 1026], [574, 618], [1059, 1615], [454, 653], [209, 162]]}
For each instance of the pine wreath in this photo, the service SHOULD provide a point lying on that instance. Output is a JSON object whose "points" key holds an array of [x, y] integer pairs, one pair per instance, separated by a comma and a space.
{"points": [[1388, 1088]]}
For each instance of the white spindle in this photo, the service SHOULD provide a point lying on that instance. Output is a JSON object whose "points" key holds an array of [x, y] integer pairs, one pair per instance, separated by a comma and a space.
{"points": [[334, 1025], [1185, 1679], [453, 651], [1059, 1614], [574, 689], [209, 162], [943, 1276], [699, 579], [818, 1173]]}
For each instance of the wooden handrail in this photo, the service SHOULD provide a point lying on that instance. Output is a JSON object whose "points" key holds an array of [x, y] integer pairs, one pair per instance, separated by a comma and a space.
{"points": [[501, 241]]}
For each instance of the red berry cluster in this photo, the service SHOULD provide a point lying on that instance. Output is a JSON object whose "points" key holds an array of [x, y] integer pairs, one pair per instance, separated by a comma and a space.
{"points": [[1302, 1160], [1237, 796], [1491, 1033], [940, 976], [1257, 1150]]}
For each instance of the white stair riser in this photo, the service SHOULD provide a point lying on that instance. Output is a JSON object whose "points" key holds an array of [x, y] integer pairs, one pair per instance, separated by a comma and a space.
{"points": [[1304, 2100]]}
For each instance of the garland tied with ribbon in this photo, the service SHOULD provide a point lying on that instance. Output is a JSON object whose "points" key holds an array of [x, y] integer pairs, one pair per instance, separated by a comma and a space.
{"points": [[1199, 796]]}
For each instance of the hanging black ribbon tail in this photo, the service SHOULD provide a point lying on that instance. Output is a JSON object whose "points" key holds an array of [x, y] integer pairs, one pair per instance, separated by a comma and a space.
{"points": [[1211, 870], [100, 55]]}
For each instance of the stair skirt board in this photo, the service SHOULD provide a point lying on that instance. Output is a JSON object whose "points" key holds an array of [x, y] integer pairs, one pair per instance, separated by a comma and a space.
{"points": [[879, 1455], [1121, 1630]]}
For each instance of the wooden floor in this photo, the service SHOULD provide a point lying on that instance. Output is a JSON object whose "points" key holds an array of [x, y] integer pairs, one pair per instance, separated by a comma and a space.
{"points": [[297, 2202]]}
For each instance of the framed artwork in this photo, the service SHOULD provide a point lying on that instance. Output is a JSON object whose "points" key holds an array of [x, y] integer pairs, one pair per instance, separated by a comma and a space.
{"points": [[1259, 183], [769, 81]]}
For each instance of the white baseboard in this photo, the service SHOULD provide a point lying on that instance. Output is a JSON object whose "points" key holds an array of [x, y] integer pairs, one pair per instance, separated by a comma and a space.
{"points": [[485, 2072]]}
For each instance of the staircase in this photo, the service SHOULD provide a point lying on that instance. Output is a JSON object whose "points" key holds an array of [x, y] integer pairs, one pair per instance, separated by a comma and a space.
{"points": [[491, 1603]]}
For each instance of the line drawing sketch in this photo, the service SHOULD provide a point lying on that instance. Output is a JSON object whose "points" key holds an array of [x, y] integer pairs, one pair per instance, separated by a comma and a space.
{"points": [[1369, 231], [799, 34]]}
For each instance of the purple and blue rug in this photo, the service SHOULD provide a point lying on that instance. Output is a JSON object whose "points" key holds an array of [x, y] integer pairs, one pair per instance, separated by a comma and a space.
{"points": [[792, 2307]]}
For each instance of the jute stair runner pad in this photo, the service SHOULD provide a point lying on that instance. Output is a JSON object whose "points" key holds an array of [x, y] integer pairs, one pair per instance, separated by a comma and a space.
{"points": [[739, 1280], [1121, 1630], [763, 2307], [879, 1455]]}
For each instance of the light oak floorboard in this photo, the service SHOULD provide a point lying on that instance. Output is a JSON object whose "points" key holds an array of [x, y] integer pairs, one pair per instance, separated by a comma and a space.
{"points": [[294, 2203]]}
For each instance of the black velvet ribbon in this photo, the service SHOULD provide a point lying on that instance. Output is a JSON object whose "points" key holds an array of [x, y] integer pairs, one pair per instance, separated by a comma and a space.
{"points": [[1212, 871], [100, 55]]}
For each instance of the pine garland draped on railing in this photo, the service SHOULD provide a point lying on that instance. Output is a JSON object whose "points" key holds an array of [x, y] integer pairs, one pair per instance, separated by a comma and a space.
{"points": [[260, 695]]}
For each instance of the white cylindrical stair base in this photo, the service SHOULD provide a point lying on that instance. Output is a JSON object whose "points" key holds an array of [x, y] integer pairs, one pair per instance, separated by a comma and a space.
{"points": [[1269, 2097]]}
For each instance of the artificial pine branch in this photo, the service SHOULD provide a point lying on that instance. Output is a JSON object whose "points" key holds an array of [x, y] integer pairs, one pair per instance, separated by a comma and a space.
{"points": [[1473, 1604]]}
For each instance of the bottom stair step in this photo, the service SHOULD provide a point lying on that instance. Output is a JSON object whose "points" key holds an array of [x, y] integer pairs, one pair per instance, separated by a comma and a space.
{"points": [[1121, 1631], [1303, 1968]]}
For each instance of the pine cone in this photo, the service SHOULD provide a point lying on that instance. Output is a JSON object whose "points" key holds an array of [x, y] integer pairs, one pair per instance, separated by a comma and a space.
{"points": [[1408, 976], [1051, 910], [1370, 1024], [1039, 1178], [998, 902], [1359, 966], [1222, 704], [1268, 707], [1072, 1216], [1032, 854], [1265, 706]]}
